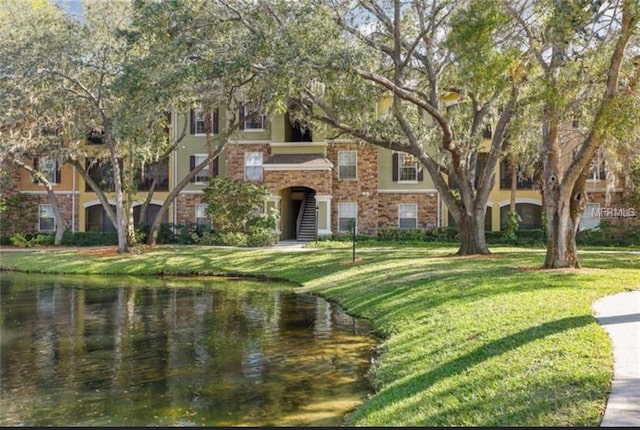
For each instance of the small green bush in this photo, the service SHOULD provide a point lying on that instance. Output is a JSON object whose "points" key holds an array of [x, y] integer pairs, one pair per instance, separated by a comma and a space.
{"points": [[260, 236], [610, 235], [89, 238], [348, 237], [19, 239], [28, 240], [43, 239], [401, 234], [186, 234], [442, 234], [530, 237], [231, 239]]}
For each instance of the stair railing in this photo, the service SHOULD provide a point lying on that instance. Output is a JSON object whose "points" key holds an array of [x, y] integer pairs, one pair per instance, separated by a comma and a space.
{"points": [[300, 213]]}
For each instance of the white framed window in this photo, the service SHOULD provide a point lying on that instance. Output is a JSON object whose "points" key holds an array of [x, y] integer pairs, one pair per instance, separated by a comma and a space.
{"points": [[598, 169], [202, 218], [254, 119], [590, 218], [407, 168], [203, 175], [407, 215], [49, 168], [347, 162], [199, 119], [253, 166], [46, 218], [347, 216]]}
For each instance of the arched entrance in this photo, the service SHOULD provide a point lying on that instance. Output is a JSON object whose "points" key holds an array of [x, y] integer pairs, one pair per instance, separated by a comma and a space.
{"points": [[298, 214]]}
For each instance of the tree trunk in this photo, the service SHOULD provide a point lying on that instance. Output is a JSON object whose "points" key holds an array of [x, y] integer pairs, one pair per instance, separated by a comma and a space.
{"points": [[130, 231], [563, 220], [129, 189], [514, 186], [155, 227], [121, 216], [60, 227], [472, 237], [561, 234]]}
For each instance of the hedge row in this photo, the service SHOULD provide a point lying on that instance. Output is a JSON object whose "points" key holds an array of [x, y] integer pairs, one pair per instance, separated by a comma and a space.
{"points": [[187, 234]]}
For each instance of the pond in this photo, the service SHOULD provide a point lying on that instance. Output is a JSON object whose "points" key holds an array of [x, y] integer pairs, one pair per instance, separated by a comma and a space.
{"points": [[114, 351]]}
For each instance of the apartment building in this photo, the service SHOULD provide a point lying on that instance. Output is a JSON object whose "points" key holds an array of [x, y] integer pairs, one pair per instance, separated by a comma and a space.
{"points": [[318, 185], [314, 183]]}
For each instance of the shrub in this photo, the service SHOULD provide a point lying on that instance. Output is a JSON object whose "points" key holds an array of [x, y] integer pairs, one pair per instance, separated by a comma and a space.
{"points": [[28, 240], [233, 205], [610, 235], [231, 239], [348, 237], [19, 214], [531, 237], [511, 229], [43, 239], [402, 234], [89, 238], [260, 236], [442, 234], [186, 233], [19, 239]]}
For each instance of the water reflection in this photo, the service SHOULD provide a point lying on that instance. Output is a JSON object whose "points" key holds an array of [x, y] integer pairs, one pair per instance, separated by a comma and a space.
{"points": [[216, 354]]}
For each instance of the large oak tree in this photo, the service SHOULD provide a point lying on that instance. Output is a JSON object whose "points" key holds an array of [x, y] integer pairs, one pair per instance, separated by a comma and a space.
{"points": [[580, 50]]}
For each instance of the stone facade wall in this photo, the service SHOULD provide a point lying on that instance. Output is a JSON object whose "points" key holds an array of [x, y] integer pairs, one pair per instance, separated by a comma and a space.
{"points": [[388, 208], [186, 204], [65, 206], [363, 191], [319, 180]]}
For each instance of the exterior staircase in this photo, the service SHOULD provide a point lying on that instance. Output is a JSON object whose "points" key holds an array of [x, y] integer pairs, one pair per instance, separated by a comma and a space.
{"points": [[307, 227]]}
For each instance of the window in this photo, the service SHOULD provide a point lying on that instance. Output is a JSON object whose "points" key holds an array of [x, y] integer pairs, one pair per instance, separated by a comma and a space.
{"points": [[46, 219], [202, 218], [406, 168], [407, 215], [199, 124], [347, 161], [253, 166], [598, 170], [590, 218], [252, 118], [49, 168], [202, 177], [347, 215]]}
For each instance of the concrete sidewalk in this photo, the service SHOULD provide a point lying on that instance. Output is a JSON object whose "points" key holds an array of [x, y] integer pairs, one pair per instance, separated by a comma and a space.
{"points": [[619, 315]]}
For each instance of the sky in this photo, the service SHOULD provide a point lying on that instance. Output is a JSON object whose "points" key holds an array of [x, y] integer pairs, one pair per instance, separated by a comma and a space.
{"points": [[73, 7]]}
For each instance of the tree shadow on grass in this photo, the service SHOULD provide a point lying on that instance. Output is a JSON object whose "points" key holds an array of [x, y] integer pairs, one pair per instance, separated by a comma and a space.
{"points": [[421, 382]]}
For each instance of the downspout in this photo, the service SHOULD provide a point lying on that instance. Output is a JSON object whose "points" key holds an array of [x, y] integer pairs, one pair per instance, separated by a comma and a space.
{"points": [[438, 219]]}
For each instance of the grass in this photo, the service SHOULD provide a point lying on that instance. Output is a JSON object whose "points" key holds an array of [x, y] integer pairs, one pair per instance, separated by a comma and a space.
{"points": [[465, 341]]}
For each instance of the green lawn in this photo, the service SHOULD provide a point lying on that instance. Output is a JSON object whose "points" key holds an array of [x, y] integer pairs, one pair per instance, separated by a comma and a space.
{"points": [[465, 341]]}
